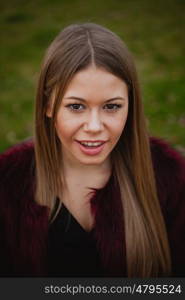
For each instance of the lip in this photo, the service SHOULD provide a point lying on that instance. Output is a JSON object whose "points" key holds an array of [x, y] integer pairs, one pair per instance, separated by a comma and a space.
{"points": [[91, 151]]}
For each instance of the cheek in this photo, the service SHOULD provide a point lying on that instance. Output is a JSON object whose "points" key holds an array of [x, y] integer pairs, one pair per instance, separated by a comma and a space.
{"points": [[117, 126], [66, 128]]}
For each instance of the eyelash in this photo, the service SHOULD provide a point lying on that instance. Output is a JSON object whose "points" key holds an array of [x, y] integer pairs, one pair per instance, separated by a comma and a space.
{"points": [[71, 107]]}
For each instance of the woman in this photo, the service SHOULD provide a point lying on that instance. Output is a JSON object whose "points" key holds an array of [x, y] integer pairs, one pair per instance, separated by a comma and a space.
{"points": [[92, 195]]}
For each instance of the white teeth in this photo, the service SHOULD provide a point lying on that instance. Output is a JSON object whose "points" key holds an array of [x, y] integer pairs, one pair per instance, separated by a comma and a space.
{"points": [[90, 144]]}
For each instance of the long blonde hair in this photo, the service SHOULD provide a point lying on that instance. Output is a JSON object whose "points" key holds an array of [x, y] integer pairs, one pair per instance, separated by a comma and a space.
{"points": [[74, 49]]}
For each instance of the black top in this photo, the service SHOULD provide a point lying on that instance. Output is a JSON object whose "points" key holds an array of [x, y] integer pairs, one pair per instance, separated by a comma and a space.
{"points": [[72, 251]]}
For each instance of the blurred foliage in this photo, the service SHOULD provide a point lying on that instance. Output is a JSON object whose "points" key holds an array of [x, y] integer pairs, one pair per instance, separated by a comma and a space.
{"points": [[153, 31]]}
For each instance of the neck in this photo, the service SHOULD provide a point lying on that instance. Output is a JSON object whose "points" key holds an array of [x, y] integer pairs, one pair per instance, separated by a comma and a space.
{"points": [[94, 176]]}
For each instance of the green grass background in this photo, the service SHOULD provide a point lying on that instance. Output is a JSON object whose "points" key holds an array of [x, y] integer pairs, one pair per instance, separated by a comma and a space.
{"points": [[153, 30]]}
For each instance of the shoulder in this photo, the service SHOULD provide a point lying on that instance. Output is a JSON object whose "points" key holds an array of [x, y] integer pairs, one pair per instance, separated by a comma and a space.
{"points": [[168, 163], [18, 156], [17, 165], [165, 154], [169, 170]]}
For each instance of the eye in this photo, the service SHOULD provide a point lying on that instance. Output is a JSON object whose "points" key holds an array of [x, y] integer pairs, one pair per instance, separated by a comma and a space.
{"points": [[112, 106], [75, 106]]}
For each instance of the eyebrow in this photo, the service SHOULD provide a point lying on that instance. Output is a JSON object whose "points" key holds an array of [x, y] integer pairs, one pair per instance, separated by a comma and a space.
{"points": [[83, 100]]}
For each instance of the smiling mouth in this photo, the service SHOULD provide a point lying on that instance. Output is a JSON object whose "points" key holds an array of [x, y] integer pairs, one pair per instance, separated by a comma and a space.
{"points": [[91, 147], [90, 144]]}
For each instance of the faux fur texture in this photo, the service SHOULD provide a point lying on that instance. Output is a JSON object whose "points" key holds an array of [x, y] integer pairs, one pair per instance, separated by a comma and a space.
{"points": [[24, 223]]}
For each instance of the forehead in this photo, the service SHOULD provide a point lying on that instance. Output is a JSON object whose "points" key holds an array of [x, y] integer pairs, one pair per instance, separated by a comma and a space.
{"points": [[95, 81]]}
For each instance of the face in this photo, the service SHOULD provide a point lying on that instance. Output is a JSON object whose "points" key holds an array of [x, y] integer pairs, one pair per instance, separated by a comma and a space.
{"points": [[92, 116]]}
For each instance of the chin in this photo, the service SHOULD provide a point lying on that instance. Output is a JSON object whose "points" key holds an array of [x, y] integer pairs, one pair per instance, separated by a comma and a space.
{"points": [[97, 163], [92, 161]]}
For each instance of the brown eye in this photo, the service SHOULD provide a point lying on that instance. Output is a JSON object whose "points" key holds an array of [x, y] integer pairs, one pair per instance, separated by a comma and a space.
{"points": [[112, 106], [75, 107]]}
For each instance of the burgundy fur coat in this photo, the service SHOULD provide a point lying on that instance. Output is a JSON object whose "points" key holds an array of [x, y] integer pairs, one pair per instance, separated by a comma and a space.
{"points": [[24, 223]]}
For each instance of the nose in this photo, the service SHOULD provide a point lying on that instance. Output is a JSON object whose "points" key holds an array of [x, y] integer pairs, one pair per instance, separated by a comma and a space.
{"points": [[93, 123]]}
